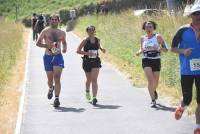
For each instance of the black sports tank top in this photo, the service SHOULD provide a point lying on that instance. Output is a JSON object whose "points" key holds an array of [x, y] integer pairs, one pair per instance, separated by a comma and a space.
{"points": [[91, 46]]}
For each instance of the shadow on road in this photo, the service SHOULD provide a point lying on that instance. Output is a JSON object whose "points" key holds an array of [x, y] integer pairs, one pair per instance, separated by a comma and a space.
{"points": [[164, 108], [100, 106], [65, 109]]}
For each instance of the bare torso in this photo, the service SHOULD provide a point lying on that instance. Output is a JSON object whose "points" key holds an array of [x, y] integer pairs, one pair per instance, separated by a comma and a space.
{"points": [[53, 37]]}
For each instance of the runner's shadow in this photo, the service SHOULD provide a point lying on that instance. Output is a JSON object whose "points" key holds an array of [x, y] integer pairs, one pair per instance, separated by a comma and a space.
{"points": [[100, 106], [164, 108], [70, 109]]}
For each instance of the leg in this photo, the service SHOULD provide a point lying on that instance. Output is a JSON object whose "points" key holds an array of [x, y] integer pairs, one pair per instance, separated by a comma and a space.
{"points": [[87, 69], [186, 85], [88, 81], [94, 76], [156, 76], [87, 85], [50, 78], [36, 36], [33, 35], [57, 75], [197, 113], [150, 78], [156, 81], [49, 72], [156, 67]]}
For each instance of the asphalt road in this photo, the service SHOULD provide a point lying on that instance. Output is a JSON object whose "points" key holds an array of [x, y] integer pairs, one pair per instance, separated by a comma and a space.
{"points": [[122, 108]]}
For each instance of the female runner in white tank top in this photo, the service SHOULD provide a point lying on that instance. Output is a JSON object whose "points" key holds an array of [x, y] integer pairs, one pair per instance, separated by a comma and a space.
{"points": [[151, 46]]}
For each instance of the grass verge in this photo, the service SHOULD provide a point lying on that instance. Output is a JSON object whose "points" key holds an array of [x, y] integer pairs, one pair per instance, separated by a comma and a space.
{"points": [[13, 43]]}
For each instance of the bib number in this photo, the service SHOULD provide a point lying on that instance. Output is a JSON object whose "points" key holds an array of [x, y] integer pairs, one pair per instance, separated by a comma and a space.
{"points": [[195, 64], [93, 52], [55, 50]]}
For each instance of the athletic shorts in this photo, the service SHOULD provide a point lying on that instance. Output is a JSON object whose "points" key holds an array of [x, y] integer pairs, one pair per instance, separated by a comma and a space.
{"points": [[155, 64], [187, 82], [88, 65], [53, 60]]}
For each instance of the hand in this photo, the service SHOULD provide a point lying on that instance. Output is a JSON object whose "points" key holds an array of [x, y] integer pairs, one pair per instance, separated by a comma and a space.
{"points": [[103, 50], [187, 51], [55, 50], [64, 50], [160, 49], [138, 53]]}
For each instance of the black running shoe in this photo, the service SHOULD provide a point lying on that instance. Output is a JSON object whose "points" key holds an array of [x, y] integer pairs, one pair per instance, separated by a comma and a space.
{"points": [[94, 101], [156, 95], [50, 93], [153, 103], [56, 103]]}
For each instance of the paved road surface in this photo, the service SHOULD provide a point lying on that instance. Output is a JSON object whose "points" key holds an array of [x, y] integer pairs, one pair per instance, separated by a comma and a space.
{"points": [[122, 108]]}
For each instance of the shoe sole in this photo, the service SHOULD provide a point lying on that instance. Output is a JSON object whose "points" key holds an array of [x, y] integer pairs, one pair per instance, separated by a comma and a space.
{"points": [[56, 105]]}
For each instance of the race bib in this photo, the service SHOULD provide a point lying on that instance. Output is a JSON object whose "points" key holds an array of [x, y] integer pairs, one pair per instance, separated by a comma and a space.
{"points": [[195, 64], [94, 53], [55, 50]]}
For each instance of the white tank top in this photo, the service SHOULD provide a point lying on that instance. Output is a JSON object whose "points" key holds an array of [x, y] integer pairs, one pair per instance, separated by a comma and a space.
{"points": [[150, 47]]}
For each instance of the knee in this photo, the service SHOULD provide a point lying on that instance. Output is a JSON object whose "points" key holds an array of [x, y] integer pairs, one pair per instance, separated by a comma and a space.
{"points": [[50, 81], [88, 81], [94, 81]]}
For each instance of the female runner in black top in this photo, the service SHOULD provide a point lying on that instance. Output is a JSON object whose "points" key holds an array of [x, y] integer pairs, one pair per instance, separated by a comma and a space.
{"points": [[91, 62]]}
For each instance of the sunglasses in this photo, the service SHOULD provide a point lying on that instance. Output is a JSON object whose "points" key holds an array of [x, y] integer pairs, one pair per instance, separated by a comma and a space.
{"points": [[196, 13]]}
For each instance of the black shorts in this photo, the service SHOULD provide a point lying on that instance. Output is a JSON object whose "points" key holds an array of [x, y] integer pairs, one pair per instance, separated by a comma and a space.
{"points": [[187, 82], [155, 64], [88, 64]]}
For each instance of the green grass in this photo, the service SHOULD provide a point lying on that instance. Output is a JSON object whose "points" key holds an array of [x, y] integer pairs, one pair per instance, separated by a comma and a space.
{"points": [[27, 7], [10, 43], [120, 35]]}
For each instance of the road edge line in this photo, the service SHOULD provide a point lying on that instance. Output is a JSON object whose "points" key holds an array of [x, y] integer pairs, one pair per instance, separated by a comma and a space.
{"points": [[22, 98]]}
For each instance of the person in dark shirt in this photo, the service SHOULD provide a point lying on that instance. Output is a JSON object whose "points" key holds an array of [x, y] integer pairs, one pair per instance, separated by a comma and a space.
{"points": [[33, 23], [91, 62], [40, 24]]}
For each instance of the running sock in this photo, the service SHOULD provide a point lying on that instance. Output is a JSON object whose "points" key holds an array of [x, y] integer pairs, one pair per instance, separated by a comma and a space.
{"points": [[197, 126], [51, 88], [56, 97], [87, 90]]}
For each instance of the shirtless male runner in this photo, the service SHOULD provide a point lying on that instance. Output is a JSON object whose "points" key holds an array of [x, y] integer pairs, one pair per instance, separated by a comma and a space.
{"points": [[51, 38]]}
